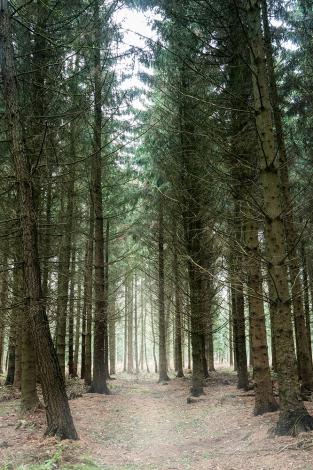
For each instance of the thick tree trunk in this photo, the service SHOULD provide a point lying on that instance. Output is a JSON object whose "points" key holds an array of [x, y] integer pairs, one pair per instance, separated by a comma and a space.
{"points": [[304, 356], [29, 397], [59, 419], [293, 415], [264, 399]]}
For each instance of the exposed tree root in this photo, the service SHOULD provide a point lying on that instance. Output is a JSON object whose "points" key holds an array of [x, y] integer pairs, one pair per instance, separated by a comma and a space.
{"points": [[294, 423]]}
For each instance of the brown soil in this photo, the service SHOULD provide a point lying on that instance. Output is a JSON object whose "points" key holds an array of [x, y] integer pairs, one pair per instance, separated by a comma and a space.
{"points": [[144, 425]]}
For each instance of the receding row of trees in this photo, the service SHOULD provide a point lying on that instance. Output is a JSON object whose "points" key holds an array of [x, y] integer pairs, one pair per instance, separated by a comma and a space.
{"points": [[150, 239]]}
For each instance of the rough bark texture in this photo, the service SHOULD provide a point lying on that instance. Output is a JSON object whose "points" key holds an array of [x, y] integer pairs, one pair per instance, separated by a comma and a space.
{"points": [[59, 419], [293, 415], [304, 358]]}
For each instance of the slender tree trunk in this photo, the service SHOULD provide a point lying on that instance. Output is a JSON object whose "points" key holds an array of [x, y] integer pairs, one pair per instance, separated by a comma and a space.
{"points": [[106, 285], [78, 329], [238, 315], [136, 325], [142, 323], [163, 377], [3, 308], [130, 321], [64, 269], [306, 295], [154, 341], [293, 415], [112, 339], [230, 328], [71, 371], [271, 295], [145, 340], [125, 326], [99, 376], [87, 306], [178, 313], [59, 419], [11, 354]]}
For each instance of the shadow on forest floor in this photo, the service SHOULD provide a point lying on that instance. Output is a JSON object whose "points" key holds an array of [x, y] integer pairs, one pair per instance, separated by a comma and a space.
{"points": [[145, 425]]}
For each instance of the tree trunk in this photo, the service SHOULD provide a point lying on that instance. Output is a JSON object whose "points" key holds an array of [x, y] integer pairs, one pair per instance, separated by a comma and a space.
{"points": [[87, 306], [78, 335], [163, 377], [293, 415], [130, 320], [136, 325], [178, 313], [306, 295], [11, 354], [59, 419], [64, 267], [3, 308], [264, 399], [125, 325], [112, 339], [99, 376], [71, 371], [304, 356]]}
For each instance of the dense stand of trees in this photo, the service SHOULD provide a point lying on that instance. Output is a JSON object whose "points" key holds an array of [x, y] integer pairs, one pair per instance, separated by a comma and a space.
{"points": [[162, 238]]}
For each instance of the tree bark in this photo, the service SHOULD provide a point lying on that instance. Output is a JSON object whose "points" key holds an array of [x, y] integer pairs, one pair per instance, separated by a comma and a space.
{"points": [[163, 377], [293, 415], [304, 356], [59, 419], [99, 376]]}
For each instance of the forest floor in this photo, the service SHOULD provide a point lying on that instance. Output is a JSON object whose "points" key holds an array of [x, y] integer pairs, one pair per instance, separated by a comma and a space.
{"points": [[144, 425]]}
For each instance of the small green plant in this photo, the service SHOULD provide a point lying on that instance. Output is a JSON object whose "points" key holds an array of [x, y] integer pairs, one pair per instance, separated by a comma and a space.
{"points": [[51, 464]]}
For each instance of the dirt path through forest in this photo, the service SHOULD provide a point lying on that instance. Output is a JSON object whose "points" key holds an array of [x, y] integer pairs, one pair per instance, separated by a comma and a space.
{"points": [[144, 425]]}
